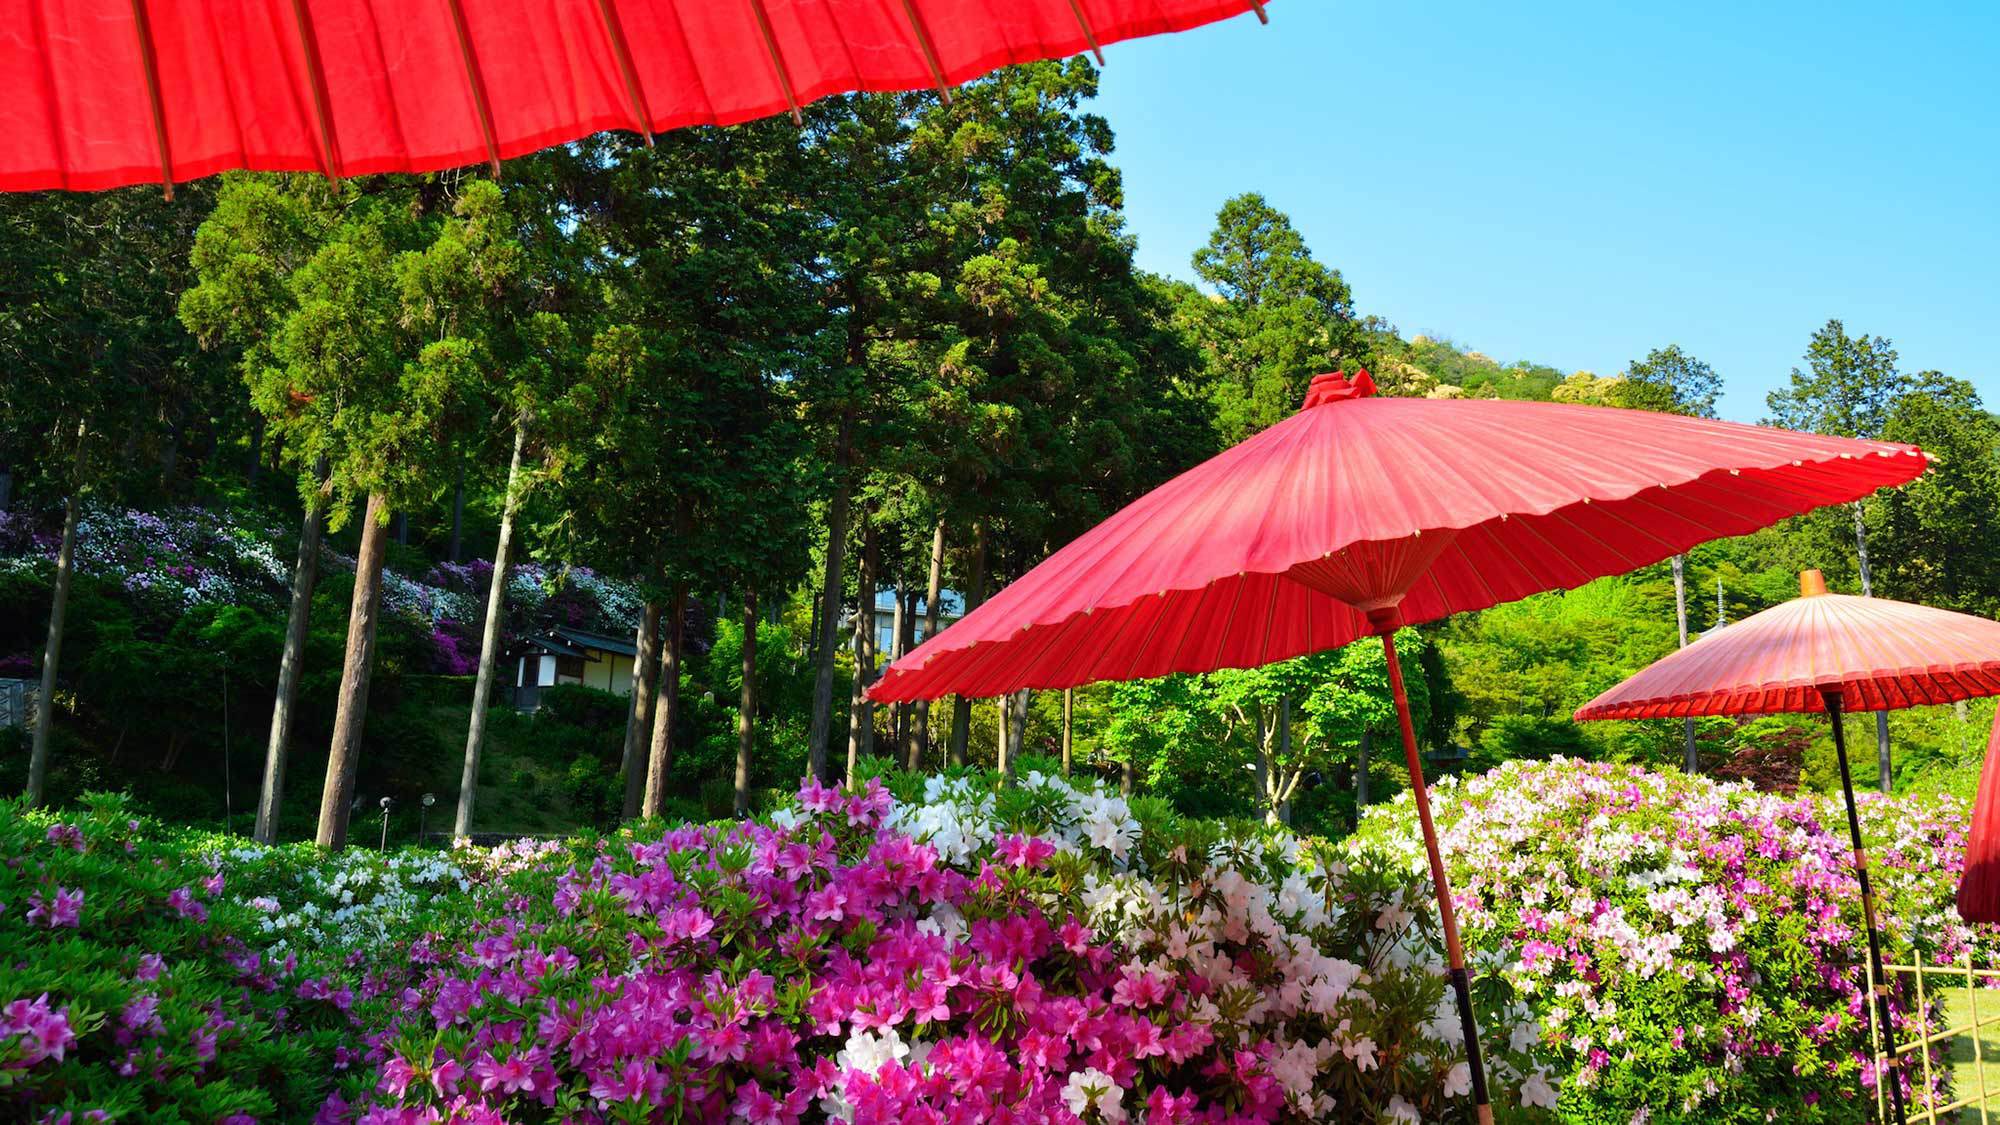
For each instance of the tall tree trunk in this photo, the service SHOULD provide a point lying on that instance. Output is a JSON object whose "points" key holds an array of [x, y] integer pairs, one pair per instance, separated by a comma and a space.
{"points": [[1003, 729], [270, 798], [746, 713], [639, 721], [826, 635], [351, 710], [1886, 774], [1361, 772], [1283, 807], [38, 757], [489, 638], [899, 713], [1013, 731], [1691, 761], [961, 707], [457, 514], [861, 714], [1266, 766], [666, 709], [1069, 718], [403, 529], [932, 593], [256, 453], [906, 713]]}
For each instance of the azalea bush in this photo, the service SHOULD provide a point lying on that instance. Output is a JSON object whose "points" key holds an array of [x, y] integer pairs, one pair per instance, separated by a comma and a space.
{"points": [[190, 556], [949, 949], [133, 986], [1036, 954], [1691, 950], [968, 953]]}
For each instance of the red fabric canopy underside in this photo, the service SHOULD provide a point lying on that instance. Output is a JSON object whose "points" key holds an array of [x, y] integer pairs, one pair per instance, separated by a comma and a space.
{"points": [[236, 91], [1979, 886], [1229, 564], [1879, 654]]}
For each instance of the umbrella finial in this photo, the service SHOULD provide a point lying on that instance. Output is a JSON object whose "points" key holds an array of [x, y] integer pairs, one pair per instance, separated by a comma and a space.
{"points": [[1335, 386], [1811, 583]]}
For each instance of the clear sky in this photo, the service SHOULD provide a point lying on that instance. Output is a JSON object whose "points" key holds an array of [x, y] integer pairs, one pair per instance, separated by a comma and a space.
{"points": [[1576, 183]]}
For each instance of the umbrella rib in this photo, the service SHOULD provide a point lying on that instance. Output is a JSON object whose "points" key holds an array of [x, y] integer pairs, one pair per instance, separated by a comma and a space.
{"points": [[621, 52], [1174, 657], [1146, 641], [475, 84], [316, 79], [1089, 33], [777, 60], [1310, 597], [1270, 623], [924, 41], [1222, 634], [149, 62], [1056, 633]]}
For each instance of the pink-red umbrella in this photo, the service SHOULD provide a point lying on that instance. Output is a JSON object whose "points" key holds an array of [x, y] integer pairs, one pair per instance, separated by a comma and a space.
{"points": [[99, 93], [1360, 514], [1822, 653], [1979, 887]]}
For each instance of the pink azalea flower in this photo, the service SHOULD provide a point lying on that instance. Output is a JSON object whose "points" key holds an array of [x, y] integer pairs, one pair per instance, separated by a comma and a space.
{"points": [[61, 910], [511, 1076]]}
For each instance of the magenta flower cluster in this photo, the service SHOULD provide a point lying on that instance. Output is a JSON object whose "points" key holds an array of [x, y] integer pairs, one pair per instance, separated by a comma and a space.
{"points": [[832, 966], [1685, 945]]}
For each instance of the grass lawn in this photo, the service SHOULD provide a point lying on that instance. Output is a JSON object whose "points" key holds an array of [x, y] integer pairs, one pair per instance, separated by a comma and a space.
{"points": [[1965, 1070]]}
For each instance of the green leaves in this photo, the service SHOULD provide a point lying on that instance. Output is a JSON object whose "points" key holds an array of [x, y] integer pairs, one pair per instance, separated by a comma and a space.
{"points": [[1283, 317]]}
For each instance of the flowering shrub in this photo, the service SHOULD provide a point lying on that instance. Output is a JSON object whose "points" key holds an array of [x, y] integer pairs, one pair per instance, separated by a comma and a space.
{"points": [[357, 901], [1652, 948], [1041, 954], [189, 556], [1691, 950], [132, 986]]}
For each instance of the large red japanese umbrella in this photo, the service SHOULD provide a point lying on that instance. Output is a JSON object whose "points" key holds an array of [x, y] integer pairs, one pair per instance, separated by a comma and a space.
{"points": [[1822, 653], [1360, 514], [1979, 887], [99, 93]]}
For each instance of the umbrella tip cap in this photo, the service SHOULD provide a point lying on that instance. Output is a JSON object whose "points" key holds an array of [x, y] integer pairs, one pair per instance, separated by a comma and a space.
{"points": [[1811, 583], [1335, 386]]}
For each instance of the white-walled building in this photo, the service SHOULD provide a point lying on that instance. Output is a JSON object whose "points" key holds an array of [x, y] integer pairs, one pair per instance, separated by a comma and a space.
{"points": [[571, 656], [951, 607]]}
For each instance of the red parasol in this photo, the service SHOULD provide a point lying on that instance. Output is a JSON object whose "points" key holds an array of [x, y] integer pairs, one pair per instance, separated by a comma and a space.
{"points": [[1823, 653], [1979, 887], [99, 93], [1872, 654], [1359, 514]]}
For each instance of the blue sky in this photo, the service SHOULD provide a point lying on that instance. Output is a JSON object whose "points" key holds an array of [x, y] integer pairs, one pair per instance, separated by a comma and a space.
{"points": [[1578, 183]]}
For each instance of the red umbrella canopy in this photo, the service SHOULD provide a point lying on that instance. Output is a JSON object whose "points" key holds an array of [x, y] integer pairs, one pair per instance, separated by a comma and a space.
{"points": [[1877, 654], [1979, 887], [99, 93], [1411, 508]]}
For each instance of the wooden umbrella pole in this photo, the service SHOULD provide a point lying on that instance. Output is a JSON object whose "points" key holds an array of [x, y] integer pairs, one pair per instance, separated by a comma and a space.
{"points": [[1833, 700], [1440, 883]]}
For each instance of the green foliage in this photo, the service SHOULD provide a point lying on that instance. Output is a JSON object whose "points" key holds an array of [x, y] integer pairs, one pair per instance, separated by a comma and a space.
{"points": [[1548, 655], [1282, 316], [174, 989], [1671, 381], [1246, 741], [1690, 949], [1846, 388]]}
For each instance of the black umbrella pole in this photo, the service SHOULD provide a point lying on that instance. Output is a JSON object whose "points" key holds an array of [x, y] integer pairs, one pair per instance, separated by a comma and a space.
{"points": [[1461, 985], [1832, 700]]}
